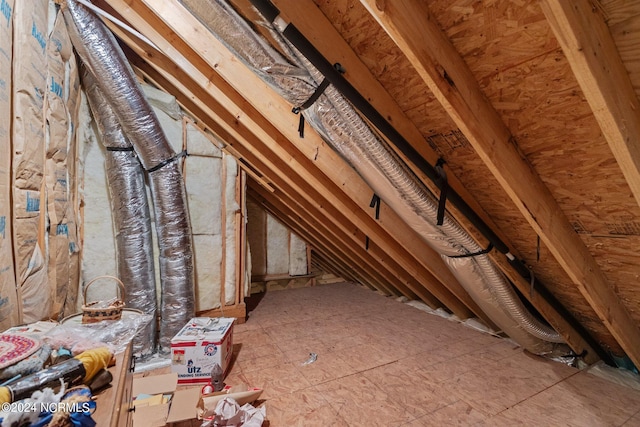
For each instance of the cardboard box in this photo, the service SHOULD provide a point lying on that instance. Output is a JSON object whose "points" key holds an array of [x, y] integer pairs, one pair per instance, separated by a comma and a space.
{"points": [[198, 346], [182, 405]]}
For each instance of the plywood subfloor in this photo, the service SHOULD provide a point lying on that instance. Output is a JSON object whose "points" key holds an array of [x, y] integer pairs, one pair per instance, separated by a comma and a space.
{"points": [[383, 363]]}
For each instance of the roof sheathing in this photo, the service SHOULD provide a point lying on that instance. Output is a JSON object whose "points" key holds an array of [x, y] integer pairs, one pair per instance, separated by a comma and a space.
{"points": [[521, 69]]}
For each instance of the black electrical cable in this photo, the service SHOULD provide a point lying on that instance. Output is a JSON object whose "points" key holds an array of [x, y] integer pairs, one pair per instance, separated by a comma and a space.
{"points": [[331, 74]]}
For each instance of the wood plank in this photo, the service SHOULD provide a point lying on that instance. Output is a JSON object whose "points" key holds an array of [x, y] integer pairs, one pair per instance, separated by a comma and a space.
{"points": [[112, 407], [244, 114], [241, 237], [594, 58], [223, 232], [413, 29]]}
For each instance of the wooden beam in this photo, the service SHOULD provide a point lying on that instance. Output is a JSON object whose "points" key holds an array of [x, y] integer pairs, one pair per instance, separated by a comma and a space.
{"points": [[413, 29], [239, 311], [377, 266], [317, 28], [594, 58], [189, 102], [206, 60], [381, 284]]}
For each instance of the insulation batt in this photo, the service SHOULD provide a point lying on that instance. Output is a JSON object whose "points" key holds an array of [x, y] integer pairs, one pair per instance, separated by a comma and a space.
{"points": [[132, 221], [100, 52], [334, 118]]}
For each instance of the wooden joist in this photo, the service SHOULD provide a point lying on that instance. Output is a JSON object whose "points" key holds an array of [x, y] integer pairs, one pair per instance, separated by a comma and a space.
{"points": [[444, 71], [587, 42]]}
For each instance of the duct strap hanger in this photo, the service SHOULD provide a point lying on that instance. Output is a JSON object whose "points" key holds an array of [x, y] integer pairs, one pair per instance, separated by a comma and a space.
{"points": [[375, 203], [313, 98], [130, 148], [167, 161], [482, 252], [444, 188]]}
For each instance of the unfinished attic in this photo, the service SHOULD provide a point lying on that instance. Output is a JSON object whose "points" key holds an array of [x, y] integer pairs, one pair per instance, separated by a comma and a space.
{"points": [[393, 212]]}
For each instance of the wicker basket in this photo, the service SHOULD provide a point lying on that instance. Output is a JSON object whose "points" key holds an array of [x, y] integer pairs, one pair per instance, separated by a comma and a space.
{"points": [[93, 314]]}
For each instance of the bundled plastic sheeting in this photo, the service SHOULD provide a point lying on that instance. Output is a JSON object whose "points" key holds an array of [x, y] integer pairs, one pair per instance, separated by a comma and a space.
{"points": [[334, 118], [100, 52], [128, 196]]}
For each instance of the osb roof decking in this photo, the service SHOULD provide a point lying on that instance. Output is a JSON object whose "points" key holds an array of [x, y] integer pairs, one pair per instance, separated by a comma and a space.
{"points": [[521, 68], [524, 73]]}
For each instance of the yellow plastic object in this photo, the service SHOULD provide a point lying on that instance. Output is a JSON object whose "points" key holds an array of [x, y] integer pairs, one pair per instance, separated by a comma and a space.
{"points": [[5, 395], [94, 360]]}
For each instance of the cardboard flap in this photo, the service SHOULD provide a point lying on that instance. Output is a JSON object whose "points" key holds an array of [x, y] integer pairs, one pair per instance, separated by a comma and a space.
{"points": [[155, 384], [151, 416], [183, 405]]}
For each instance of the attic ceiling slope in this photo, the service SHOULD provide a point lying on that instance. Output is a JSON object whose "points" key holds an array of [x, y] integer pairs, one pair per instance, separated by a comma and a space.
{"points": [[319, 29], [398, 254], [445, 72], [264, 139], [522, 70], [197, 105]]}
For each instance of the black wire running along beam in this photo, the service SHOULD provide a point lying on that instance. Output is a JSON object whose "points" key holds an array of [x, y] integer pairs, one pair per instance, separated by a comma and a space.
{"points": [[335, 77]]}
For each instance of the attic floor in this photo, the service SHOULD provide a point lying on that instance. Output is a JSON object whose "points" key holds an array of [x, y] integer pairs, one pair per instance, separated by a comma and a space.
{"points": [[383, 363]]}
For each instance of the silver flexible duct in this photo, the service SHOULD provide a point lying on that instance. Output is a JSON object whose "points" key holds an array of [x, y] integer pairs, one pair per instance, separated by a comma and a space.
{"points": [[334, 118], [100, 52], [132, 221]]}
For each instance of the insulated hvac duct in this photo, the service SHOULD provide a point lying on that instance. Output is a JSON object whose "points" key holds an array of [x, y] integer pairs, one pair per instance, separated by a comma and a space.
{"points": [[132, 221], [101, 54], [334, 118]]}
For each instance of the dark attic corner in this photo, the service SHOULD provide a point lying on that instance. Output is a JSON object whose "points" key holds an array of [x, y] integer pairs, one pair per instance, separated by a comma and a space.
{"points": [[310, 212]]}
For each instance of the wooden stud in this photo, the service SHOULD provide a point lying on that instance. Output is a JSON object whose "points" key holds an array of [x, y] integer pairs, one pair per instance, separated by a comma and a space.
{"points": [[223, 232]]}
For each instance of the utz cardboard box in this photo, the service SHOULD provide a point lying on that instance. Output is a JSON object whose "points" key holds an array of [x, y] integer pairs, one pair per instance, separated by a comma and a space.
{"points": [[199, 345]]}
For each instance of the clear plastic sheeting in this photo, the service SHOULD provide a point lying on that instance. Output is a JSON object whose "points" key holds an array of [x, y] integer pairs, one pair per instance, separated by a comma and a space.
{"points": [[336, 120], [132, 221], [100, 52]]}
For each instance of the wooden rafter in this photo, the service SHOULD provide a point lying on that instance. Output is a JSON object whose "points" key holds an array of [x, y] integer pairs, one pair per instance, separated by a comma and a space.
{"points": [[384, 271], [372, 273], [444, 71], [318, 29], [276, 109], [344, 260], [587, 42]]}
